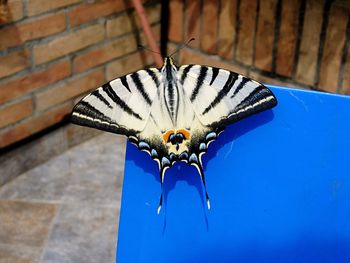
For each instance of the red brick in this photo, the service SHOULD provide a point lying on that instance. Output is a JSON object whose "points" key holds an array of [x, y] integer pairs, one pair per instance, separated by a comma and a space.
{"points": [[128, 64], [15, 112], [265, 35], [105, 53], [36, 7], [125, 23], [18, 34], [176, 18], [18, 87], [188, 56], [14, 11], [209, 33], [91, 11], [333, 48], [247, 16], [13, 62], [287, 37], [193, 23], [120, 25], [71, 89], [34, 125], [310, 39], [64, 45], [156, 33], [227, 28]]}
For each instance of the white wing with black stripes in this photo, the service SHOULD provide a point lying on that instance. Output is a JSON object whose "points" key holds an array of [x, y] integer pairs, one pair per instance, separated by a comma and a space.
{"points": [[173, 113], [122, 105], [220, 97]]}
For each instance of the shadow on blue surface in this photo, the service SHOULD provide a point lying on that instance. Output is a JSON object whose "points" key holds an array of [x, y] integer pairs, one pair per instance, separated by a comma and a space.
{"points": [[180, 170], [279, 188], [305, 250]]}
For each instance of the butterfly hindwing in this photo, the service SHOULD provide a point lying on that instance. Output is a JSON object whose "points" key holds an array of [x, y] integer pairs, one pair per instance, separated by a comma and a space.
{"points": [[122, 105], [218, 97]]}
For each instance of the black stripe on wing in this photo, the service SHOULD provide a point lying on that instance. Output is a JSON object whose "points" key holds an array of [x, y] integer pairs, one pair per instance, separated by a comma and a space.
{"points": [[214, 75], [153, 76], [86, 115], [88, 111], [260, 99], [223, 92], [200, 80], [240, 86], [185, 73], [140, 87], [125, 83], [98, 95], [110, 92]]}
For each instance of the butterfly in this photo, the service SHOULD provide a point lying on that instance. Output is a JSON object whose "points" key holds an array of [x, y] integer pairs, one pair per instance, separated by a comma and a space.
{"points": [[173, 113]]}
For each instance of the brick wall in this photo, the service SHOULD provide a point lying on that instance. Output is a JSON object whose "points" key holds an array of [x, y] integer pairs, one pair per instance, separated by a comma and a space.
{"points": [[53, 52], [301, 43]]}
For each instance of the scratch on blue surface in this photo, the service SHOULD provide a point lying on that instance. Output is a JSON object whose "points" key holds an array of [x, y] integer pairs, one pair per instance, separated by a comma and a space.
{"points": [[300, 100], [229, 151]]}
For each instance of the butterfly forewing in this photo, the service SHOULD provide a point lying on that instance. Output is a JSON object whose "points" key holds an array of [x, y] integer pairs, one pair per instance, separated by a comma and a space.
{"points": [[220, 97], [122, 105]]}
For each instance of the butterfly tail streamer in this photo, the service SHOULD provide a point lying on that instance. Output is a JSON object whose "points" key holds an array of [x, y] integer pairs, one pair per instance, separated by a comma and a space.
{"points": [[196, 162], [201, 173], [162, 170], [160, 200]]}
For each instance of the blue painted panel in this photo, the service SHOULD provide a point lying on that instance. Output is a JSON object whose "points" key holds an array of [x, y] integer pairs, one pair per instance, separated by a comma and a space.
{"points": [[279, 184]]}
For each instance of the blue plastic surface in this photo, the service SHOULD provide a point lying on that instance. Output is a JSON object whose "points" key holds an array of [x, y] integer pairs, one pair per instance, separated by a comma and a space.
{"points": [[279, 184]]}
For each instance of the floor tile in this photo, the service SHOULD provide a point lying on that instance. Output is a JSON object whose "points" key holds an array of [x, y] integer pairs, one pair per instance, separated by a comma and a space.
{"points": [[46, 182], [83, 234], [97, 172], [67, 209], [34, 153], [19, 254], [23, 223]]}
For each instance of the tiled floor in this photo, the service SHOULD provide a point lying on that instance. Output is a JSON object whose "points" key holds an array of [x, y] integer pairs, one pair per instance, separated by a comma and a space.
{"points": [[67, 209]]}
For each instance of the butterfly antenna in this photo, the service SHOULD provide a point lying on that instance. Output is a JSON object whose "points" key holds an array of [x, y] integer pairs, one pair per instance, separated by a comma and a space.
{"points": [[182, 46], [146, 48]]}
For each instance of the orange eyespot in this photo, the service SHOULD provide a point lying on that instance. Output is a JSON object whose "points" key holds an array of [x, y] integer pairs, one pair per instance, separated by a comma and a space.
{"points": [[167, 134], [185, 133]]}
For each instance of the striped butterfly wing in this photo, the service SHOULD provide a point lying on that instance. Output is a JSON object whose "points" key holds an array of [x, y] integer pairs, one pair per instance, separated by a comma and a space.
{"points": [[220, 97], [122, 105]]}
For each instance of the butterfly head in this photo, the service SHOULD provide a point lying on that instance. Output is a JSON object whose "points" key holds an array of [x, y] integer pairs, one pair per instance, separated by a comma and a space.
{"points": [[169, 63]]}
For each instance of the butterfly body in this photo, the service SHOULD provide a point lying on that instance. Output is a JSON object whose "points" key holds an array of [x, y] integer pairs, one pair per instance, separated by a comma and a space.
{"points": [[173, 113]]}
